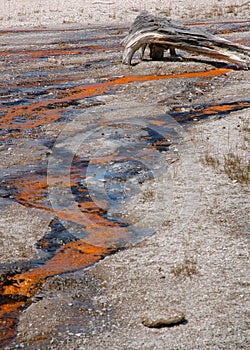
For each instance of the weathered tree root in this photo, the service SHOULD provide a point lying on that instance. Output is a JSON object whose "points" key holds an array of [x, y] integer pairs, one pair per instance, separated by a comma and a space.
{"points": [[161, 33]]}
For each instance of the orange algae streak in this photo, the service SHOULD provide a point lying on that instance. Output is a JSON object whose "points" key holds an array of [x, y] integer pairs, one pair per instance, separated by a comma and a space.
{"points": [[142, 78], [212, 110], [35, 115], [218, 109], [71, 257], [31, 190], [102, 239], [226, 107], [40, 113]]}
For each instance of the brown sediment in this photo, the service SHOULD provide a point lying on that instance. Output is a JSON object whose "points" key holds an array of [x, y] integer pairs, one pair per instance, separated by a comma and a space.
{"points": [[42, 113], [244, 41]]}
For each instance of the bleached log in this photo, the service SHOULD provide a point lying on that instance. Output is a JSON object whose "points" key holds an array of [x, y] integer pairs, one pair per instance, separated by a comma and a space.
{"points": [[161, 33]]}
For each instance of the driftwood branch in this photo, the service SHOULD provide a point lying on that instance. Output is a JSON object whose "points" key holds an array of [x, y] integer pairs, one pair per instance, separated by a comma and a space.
{"points": [[161, 33]]}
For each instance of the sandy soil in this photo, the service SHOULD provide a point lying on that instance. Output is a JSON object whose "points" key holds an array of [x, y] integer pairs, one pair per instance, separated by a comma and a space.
{"points": [[198, 261], [44, 13]]}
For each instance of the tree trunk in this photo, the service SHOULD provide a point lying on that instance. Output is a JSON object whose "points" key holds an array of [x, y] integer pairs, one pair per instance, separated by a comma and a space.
{"points": [[160, 34]]}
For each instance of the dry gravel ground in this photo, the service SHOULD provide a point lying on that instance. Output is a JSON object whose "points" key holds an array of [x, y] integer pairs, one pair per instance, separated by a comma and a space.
{"points": [[198, 261]]}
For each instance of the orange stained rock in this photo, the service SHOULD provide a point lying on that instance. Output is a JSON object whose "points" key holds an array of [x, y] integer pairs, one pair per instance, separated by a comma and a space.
{"points": [[103, 236], [35, 114], [142, 78], [105, 159], [39, 113]]}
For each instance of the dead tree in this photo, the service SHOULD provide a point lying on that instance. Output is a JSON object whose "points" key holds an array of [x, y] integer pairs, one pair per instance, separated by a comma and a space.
{"points": [[161, 33]]}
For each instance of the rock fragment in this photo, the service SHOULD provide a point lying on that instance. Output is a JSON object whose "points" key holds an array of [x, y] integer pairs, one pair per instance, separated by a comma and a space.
{"points": [[165, 318]]}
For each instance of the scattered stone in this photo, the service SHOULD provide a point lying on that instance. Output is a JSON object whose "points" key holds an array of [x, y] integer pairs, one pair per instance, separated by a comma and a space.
{"points": [[165, 318]]}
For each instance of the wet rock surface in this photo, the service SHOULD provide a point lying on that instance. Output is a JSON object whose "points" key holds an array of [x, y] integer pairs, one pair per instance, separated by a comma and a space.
{"points": [[64, 96]]}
